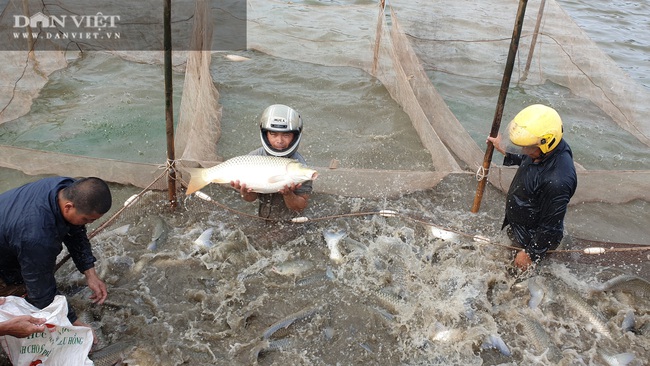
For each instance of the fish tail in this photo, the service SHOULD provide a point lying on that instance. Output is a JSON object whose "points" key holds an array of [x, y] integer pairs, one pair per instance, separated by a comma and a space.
{"points": [[197, 180]]}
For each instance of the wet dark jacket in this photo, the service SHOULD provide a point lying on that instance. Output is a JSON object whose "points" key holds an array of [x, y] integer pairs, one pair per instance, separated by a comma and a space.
{"points": [[32, 230], [538, 198]]}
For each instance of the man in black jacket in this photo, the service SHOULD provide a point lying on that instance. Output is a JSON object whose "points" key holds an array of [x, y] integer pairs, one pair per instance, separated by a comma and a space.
{"points": [[35, 219], [545, 181]]}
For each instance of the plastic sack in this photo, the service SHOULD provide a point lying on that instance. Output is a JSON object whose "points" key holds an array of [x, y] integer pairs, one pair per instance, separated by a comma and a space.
{"points": [[62, 344]]}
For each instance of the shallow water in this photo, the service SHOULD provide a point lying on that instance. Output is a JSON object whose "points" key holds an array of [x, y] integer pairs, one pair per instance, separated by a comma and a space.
{"points": [[402, 294]]}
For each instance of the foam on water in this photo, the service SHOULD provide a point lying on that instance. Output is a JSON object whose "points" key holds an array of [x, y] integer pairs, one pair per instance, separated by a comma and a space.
{"points": [[409, 298]]}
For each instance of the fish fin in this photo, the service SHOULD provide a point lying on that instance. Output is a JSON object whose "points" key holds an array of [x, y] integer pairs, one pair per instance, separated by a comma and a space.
{"points": [[197, 180]]}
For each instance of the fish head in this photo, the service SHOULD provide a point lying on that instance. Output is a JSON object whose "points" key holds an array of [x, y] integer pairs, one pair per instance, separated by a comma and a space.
{"points": [[300, 173]]}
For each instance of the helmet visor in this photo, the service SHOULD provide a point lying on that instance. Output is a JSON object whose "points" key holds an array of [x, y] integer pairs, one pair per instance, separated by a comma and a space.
{"points": [[518, 140]]}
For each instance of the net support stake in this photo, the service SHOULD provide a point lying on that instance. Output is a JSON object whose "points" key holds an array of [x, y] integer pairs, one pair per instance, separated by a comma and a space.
{"points": [[533, 41], [380, 22], [505, 83], [169, 105]]}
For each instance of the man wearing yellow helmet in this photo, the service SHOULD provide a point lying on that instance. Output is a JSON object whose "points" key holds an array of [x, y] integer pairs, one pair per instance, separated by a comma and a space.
{"points": [[543, 185]]}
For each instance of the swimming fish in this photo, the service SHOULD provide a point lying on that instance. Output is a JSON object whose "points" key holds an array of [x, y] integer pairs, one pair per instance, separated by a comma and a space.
{"points": [[262, 174], [236, 58], [627, 325], [575, 301], [292, 267], [110, 355], [626, 283], [539, 338], [332, 238], [536, 293], [318, 277], [620, 359], [203, 240], [495, 341], [287, 321], [159, 233]]}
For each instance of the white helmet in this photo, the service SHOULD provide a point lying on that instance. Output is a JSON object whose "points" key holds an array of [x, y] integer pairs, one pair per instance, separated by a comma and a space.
{"points": [[280, 118]]}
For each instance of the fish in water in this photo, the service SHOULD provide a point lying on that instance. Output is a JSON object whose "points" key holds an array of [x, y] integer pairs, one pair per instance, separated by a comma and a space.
{"points": [[236, 58], [620, 359], [203, 241], [627, 325], [110, 355], [495, 341], [539, 338], [332, 238], [626, 283], [536, 292], [261, 174], [292, 267], [575, 301], [159, 234]]}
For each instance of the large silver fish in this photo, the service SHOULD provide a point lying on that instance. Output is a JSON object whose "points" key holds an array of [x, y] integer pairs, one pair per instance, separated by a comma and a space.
{"points": [[539, 338], [262, 174], [626, 283], [110, 355], [574, 300]]}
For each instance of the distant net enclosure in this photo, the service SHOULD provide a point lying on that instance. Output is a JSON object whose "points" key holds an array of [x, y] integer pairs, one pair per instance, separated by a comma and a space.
{"points": [[441, 62]]}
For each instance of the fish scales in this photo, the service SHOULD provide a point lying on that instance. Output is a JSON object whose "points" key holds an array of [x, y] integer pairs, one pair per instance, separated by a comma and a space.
{"points": [[286, 322], [575, 301], [262, 174], [110, 355], [318, 277], [540, 339], [391, 300]]}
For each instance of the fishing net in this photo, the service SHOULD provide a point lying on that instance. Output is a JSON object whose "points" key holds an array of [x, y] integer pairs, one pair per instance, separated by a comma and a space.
{"points": [[423, 59], [437, 65]]}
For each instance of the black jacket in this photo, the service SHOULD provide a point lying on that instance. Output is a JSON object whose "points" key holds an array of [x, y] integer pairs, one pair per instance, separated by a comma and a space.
{"points": [[538, 198]]}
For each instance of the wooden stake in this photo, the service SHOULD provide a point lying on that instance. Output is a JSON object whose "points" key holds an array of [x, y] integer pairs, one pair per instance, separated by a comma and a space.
{"points": [[533, 41], [505, 83], [380, 22], [169, 105]]}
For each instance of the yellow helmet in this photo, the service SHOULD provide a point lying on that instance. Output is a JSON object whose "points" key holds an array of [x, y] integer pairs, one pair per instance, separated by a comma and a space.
{"points": [[536, 125]]}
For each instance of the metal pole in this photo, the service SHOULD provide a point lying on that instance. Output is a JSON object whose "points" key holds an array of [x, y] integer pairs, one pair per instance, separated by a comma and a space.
{"points": [[169, 104], [505, 83]]}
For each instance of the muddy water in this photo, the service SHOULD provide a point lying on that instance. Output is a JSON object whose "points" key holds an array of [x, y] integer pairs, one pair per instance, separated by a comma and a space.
{"points": [[403, 294]]}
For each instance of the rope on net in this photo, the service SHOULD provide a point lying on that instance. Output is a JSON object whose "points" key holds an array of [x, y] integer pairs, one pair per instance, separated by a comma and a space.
{"points": [[481, 173], [384, 213], [393, 213]]}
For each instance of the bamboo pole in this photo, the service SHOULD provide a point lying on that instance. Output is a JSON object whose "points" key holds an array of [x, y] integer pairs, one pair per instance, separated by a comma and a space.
{"points": [[533, 41], [505, 83], [380, 22], [169, 105]]}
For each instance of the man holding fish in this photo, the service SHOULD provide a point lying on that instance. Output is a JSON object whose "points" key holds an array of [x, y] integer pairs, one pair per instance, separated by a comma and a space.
{"points": [[280, 133], [275, 174]]}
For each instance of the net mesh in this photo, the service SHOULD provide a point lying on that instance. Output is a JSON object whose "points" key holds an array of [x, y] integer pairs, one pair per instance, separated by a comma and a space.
{"points": [[443, 68], [417, 56]]}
